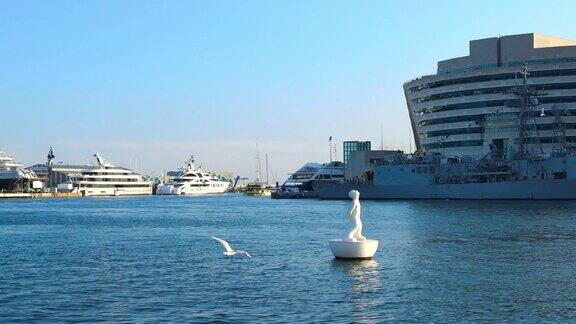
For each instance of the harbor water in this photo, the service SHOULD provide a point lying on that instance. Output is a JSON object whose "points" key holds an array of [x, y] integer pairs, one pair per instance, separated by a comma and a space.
{"points": [[151, 259]]}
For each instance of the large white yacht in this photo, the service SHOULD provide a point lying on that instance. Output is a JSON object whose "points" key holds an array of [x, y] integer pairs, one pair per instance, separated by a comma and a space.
{"points": [[310, 172], [14, 177], [104, 179], [301, 184], [193, 181]]}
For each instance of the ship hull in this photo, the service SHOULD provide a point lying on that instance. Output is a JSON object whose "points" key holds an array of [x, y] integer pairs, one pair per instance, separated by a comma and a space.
{"points": [[521, 190], [136, 191], [169, 189], [7, 184]]}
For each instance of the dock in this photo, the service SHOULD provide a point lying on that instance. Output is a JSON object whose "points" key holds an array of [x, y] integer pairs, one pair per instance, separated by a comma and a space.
{"points": [[16, 195]]}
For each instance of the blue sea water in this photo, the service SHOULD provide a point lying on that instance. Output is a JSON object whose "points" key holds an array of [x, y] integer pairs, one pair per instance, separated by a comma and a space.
{"points": [[151, 259]]}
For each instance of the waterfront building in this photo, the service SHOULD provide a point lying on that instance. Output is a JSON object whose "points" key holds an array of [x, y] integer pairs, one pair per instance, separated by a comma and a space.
{"points": [[464, 108], [56, 174], [352, 146]]}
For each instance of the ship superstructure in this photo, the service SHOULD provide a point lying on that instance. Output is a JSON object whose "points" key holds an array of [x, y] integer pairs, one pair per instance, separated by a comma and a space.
{"points": [[105, 179], [514, 170]]}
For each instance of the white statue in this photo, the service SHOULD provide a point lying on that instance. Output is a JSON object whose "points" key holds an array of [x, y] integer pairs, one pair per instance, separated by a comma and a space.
{"points": [[355, 234], [354, 246]]}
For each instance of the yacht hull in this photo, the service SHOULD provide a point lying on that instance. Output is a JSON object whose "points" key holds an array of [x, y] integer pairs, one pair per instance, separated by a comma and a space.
{"points": [[116, 191], [169, 189], [7, 184]]}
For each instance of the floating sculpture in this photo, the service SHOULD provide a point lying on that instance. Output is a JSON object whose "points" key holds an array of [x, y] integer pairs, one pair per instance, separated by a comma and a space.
{"points": [[355, 233], [354, 246]]}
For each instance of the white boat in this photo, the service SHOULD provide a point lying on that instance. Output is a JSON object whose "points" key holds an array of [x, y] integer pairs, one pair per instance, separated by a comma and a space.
{"points": [[193, 181], [15, 178], [301, 184], [310, 173], [105, 179]]}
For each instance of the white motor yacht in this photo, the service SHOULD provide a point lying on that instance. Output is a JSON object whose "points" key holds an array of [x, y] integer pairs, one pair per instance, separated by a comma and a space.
{"points": [[104, 179], [193, 181], [15, 178], [310, 173]]}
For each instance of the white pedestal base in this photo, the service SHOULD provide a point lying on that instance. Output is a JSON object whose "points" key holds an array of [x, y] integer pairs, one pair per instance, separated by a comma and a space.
{"points": [[343, 249]]}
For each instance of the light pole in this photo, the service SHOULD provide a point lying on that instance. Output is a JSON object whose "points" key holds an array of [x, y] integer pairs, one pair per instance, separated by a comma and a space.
{"points": [[330, 141]]}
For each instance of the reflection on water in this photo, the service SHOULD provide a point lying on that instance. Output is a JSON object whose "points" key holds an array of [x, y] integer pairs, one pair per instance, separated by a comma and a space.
{"points": [[364, 282]]}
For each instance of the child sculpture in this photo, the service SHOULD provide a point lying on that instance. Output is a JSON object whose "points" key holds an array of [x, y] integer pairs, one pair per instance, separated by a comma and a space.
{"points": [[354, 246], [355, 234]]}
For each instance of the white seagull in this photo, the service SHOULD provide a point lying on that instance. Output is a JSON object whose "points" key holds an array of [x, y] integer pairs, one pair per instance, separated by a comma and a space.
{"points": [[228, 249]]}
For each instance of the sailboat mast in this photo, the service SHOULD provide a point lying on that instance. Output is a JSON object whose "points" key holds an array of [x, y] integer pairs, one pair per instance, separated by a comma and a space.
{"points": [[266, 169], [258, 161]]}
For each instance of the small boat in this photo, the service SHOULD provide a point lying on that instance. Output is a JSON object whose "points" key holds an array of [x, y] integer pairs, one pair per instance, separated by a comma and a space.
{"points": [[257, 189]]}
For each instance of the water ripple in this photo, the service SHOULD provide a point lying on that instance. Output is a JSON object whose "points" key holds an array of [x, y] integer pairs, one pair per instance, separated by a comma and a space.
{"points": [[150, 259]]}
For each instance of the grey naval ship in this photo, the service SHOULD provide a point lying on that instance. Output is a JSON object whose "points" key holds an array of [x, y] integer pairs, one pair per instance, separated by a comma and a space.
{"points": [[524, 172]]}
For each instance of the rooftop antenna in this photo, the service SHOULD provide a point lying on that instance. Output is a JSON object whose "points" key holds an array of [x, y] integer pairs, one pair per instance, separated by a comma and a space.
{"points": [[525, 100]]}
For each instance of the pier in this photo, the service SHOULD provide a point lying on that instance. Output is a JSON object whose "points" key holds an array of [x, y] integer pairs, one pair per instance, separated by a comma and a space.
{"points": [[15, 195]]}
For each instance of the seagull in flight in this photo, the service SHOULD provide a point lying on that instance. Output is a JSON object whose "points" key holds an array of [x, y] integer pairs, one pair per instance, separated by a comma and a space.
{"points": [[228, 249]]}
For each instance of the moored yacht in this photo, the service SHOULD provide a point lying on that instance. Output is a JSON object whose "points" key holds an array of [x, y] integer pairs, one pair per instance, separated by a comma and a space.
{"points": [[193, 181], [310, 173], [15, 178], [104, 179], [257, 188], [301, 184]]}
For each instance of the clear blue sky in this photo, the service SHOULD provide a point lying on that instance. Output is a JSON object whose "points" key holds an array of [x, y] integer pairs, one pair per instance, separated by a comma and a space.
{"points": [[155, 81]]}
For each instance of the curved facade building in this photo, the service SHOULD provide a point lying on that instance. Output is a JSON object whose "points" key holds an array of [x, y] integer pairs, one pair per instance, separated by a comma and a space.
{"points": [[464, 108]]}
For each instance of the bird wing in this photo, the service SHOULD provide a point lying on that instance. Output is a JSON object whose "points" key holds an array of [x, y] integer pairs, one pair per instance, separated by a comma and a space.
{"points": [[244, 253], [226, 245]]}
